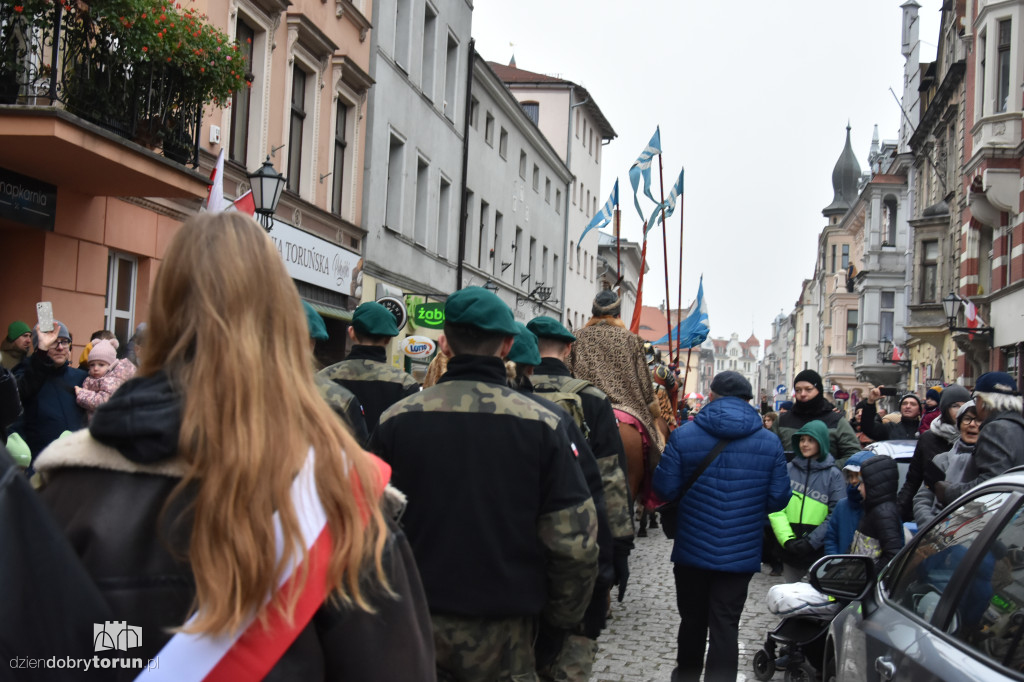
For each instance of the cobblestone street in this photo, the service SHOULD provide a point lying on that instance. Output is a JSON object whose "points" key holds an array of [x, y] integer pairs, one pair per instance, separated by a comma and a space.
{"points": [[640, 642]]}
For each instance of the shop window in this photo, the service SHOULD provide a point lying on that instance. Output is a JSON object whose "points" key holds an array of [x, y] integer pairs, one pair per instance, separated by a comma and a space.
{"points": [[119, 313]]}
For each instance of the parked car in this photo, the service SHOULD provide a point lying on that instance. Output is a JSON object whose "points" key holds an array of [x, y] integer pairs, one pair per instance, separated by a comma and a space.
{"points": [[949, 606], [900, 450]]}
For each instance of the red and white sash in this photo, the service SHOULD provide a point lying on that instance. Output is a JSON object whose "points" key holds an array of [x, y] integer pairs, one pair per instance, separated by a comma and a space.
{"points": [[250, 653]]}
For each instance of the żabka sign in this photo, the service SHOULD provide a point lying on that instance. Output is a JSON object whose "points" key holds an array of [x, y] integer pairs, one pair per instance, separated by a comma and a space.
{"points": [[316, 261]]}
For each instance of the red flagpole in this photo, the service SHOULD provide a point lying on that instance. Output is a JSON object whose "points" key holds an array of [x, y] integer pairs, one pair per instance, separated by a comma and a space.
{"points": [[664, 237], [634, 325], [680, 299]]}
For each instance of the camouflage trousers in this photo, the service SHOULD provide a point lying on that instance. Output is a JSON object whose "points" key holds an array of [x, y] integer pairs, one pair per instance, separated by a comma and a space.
{"points": [[574, 662], [484, 649]]}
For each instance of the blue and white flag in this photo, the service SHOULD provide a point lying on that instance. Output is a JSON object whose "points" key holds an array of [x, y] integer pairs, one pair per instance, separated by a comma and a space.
{"points": [[604, 216], [642, 167], [670, 203], [694, 329]]}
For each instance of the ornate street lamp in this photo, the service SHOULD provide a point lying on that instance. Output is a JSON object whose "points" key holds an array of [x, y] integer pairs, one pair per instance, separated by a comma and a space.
{"points": [[491, 286], [951, 306], [267, 185]]}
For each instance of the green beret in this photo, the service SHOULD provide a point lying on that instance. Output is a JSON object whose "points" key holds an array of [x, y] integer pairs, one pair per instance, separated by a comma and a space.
{"points": [[478, 307], [317, 329], [524, 350], [549, 328], [16, 329], [373, 319]]}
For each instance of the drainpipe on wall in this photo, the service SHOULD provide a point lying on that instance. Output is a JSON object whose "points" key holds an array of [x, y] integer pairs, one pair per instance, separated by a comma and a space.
{"points": [[463, 200]]}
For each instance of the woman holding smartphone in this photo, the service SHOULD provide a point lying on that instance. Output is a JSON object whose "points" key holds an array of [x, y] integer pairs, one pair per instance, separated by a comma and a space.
{"points": [[220, 505]]}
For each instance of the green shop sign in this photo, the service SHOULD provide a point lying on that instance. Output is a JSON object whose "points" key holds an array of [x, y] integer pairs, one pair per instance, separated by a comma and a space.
{"points": [[429, 315]]}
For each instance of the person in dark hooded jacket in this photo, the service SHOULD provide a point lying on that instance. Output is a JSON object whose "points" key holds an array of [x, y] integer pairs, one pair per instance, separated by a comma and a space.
{"points": [[905, 429], [939, 438], [810, 405], [817, 487], [880, 533]]}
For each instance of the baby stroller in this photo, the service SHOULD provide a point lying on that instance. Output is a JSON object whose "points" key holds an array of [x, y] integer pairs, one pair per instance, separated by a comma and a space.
{"points": [[797, 644]]}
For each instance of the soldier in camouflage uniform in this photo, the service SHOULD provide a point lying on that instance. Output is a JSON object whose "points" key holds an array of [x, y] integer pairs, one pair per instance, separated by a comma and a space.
{"points": [[501, 524], [366, 371], [344, 403]]}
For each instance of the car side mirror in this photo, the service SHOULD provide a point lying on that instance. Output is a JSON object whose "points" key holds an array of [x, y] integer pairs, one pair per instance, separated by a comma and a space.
{"points": [[843, 576]]}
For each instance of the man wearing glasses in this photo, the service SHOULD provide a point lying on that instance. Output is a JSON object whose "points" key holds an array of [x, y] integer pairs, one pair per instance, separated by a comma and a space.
{"points": [[47, 388]]}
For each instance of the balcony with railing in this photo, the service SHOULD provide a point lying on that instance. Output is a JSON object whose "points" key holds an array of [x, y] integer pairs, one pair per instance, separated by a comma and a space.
{"points": [[128, 73]]}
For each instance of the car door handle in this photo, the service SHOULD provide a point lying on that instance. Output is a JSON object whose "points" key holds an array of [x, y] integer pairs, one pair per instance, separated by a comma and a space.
{"points": [[885, 667]]}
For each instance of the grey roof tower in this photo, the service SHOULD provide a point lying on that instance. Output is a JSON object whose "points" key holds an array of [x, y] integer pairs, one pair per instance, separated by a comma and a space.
{"points": [[845, 176]]}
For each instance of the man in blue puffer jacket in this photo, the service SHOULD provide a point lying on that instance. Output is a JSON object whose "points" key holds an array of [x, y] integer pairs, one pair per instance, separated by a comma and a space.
{"points": [[718, 540]]}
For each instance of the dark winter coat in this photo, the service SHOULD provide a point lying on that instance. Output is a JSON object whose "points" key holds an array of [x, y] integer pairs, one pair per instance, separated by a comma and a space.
{"points": [[499, 515], [937, 439], [882, 519], [1000, 447], [904, 429], [731, 498], [843, 442], [48, 395], [107, 488]]}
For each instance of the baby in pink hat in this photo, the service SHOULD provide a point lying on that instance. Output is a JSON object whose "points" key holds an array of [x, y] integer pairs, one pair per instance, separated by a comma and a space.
{"points": [[106, 374]]}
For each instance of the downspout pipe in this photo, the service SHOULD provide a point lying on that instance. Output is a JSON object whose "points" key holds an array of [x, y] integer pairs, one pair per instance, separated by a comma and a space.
{"points": [[464, 198]]}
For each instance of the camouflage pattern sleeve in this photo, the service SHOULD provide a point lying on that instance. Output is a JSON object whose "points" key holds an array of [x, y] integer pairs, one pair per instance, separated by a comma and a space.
{"points": [[616, 497], [345, 405], [569, 537]]}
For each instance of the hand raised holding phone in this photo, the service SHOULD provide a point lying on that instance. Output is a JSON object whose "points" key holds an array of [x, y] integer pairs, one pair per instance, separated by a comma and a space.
{"points": [[46, 331]]}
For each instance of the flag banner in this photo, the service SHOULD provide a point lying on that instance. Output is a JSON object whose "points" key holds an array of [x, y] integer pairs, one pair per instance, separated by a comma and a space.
{"points": [[642, 168], [897, 353], [215, 198], [693, 330], [245, 204], [604, 216], [971, 316], [670, 202]]}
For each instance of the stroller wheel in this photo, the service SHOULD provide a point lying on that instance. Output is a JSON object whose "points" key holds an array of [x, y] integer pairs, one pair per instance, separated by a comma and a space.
{"points": [[764, 665], [803, 673]]}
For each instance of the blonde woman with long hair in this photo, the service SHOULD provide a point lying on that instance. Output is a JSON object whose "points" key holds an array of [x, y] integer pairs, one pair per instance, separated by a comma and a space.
{"points": [[217, 501]]}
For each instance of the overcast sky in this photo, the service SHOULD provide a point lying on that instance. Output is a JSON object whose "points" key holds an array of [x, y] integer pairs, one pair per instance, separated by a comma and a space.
{"points": [[752, 97]]}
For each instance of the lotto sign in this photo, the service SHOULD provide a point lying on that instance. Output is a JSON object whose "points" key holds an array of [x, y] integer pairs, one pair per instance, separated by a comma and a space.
{"points": [[418, 346], [430, 315]]}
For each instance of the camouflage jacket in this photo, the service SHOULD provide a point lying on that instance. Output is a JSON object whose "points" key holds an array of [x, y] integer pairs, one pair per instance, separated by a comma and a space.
{"points": [[604, 442], [377, 384], [499, 517], [346, 405]]}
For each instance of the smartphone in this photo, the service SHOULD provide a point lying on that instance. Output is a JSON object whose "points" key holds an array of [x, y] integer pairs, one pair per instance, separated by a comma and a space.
{"points": [[889, 390], [44, 313]]}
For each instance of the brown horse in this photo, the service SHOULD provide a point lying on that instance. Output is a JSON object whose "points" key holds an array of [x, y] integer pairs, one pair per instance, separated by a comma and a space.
{"points": [[639, 469]]}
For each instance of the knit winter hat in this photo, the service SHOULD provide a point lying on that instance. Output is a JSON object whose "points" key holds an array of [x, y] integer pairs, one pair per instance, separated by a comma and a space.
{"points": [[606, 302], [996, 382], [853, 464], [811, 377], [786, 405], [920, 405], [952, 394], [16, 329], [103, 350], [933, 394]]}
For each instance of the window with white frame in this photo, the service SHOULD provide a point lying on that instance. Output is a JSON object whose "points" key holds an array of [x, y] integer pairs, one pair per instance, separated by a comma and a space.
{"points": [[119, 313], [503, 143], [499, 229], [451, 78], [558, 201], [522, 164], [296, 127], [252, 27], [483, 244], [422, 195], [427, 63], [339, 171], [403, 33], [1003, 55], [395, 187], [241, 99], [443, 216], [887, 318], [489, 129]]}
